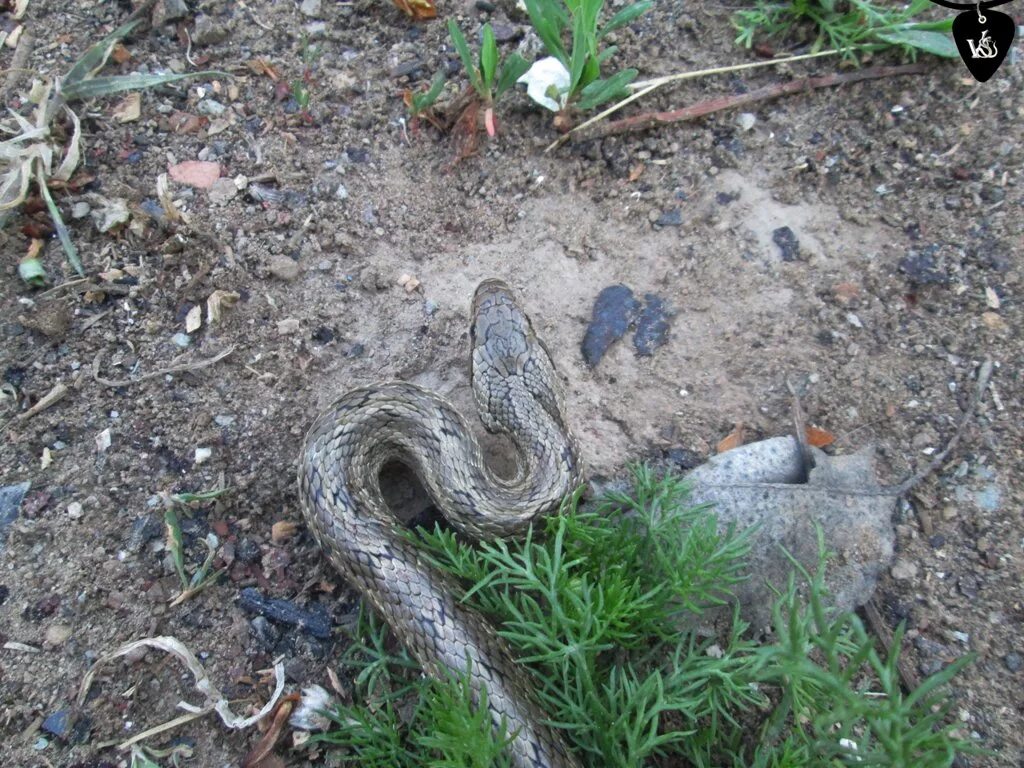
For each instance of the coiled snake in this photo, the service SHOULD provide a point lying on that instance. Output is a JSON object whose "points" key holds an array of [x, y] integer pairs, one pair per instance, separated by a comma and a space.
{"points": [[517, 393]]}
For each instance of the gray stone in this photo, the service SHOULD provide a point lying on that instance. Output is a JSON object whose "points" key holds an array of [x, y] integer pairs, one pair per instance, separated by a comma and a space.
{"points": [[223, 191], [207, 31], [284, 268], [166, 11], [763, 484], [10, 502], [316, 30], [310, 8], [1012, 661], [58, 723], [211, 108], [673, 217]]}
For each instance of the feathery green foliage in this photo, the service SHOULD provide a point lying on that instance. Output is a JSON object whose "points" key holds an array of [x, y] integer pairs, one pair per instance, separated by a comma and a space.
{"points": [[595, 605], [851, 26]]}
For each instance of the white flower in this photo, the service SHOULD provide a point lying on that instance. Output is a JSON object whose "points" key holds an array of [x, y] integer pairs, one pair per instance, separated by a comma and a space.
{"points": [[547, 83]]}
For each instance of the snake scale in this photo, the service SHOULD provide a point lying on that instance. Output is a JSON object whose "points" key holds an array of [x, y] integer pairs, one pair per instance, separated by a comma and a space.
{"points": [[517, 393]]}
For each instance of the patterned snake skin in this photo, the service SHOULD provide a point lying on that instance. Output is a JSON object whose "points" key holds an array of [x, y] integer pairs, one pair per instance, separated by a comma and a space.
{"points": [[517, 393]]}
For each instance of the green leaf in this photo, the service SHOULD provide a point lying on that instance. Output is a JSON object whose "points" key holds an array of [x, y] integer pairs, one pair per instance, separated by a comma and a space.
{"points": [[579, 54], [626, 16], [515, 66], [426, 99], [62, 231], [600, 91], [549, 20], [606, 54], [32, 272], [934, 43], [467, 58], [488, 57], [104, 86], [96, 56]]}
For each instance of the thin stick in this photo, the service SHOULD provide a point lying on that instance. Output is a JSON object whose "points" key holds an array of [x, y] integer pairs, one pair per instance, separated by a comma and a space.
{"points": [[180, 720], [646, 86], [984, 374], [652, 119], [154, 374], [885, 636], [18, 66]]}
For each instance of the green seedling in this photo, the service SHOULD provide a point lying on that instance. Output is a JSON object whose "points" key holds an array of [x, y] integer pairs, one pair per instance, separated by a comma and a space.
{"points": [[485, 76], [853, 27], [302, 87], [28, 156], [419, 103], [584, 56], [202, 577]]}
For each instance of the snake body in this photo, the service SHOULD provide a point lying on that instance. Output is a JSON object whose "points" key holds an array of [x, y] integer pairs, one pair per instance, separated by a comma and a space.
{"points": [[517, 393]]}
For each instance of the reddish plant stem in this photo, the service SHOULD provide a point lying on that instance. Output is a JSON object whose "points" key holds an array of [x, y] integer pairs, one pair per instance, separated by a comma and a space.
{"points": [[647, 120]]}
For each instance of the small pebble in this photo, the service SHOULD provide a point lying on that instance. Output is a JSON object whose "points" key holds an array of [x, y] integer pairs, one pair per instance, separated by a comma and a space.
{"points": [[288, 326], [181, 339], [284, 268], [56, 635], [904, 570], [58, 723], [341, 192], [789, 245], [316, 30], [207, 31], [746, 121], [673, 217], [222, 191], [310, 8], [1013, 661], [210, 108]]}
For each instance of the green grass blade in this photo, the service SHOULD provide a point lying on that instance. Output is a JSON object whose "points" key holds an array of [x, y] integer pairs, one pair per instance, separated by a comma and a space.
{"points": [[488, 57], [600, 91], [515, 66], [935, 43], [472, 72], [62, 231], [549, 20], [425, 100], [96, 56], [105, 86], [626, 16]]}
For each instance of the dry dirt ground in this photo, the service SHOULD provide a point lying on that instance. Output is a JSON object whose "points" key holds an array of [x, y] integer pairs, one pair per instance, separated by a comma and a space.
{"points": [[923, 171]]}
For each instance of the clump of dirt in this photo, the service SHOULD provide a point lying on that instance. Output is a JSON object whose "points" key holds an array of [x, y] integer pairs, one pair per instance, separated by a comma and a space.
{"points": [[863, 242]]}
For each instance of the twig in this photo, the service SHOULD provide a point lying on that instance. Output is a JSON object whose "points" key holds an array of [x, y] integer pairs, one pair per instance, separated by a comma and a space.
{"points": [[154, 374], [180, 720], [17, 70], [984, 374], [881, 630], [646, 86], [63, 286], [648, 120], [800, 427]]}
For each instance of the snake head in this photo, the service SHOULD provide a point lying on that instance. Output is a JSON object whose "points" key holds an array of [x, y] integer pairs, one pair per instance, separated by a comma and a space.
{"points": [[509, 359]]}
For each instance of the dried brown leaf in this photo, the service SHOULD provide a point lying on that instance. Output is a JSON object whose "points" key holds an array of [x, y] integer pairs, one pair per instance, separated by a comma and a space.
{"points": [[129, 108], [819, 438], [733, 440]]}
